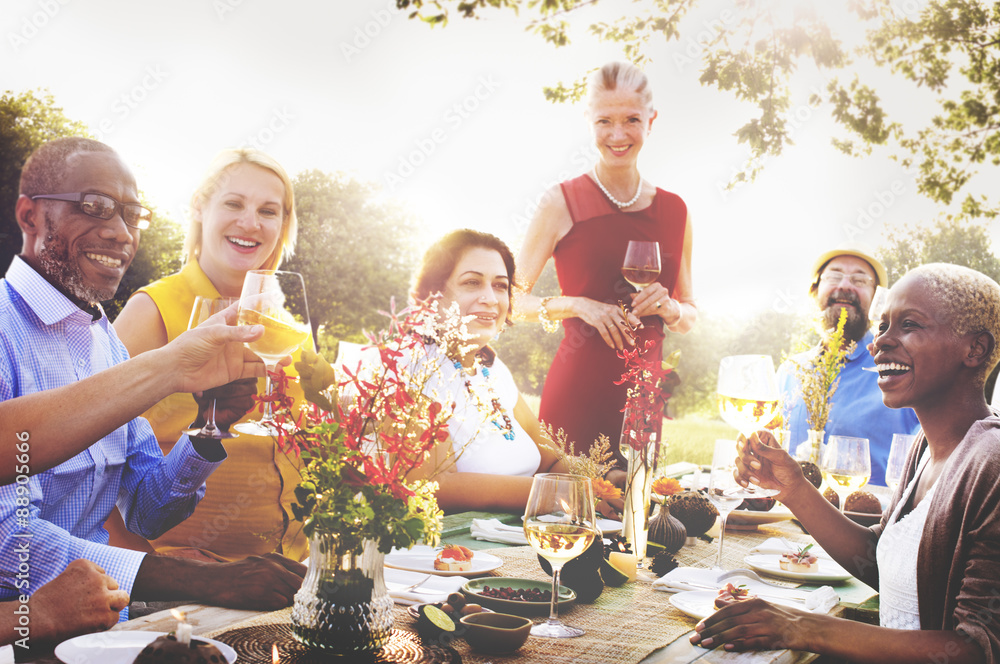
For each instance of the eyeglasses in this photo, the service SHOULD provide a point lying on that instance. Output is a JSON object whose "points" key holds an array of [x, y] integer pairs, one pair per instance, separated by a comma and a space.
{"points": [[104, 207], [858, 280]]}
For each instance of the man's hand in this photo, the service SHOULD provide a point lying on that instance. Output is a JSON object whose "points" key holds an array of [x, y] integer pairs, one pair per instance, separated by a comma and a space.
{"points": [[82, 599], [260, 583], [213, 353], [231, 402]]}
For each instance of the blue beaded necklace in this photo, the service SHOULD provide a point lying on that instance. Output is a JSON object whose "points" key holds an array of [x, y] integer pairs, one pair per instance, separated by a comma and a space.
{"points": [[507, 427]]}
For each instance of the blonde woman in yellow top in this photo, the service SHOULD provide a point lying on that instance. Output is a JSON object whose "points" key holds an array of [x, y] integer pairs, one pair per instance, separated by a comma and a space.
{"points": [[242, 218]]}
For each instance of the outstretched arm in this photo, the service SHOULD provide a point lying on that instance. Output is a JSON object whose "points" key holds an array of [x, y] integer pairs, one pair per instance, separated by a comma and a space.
{"points": [[58, 424]]}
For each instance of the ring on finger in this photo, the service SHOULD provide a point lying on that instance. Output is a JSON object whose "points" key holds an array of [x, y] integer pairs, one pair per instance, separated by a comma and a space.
{"points": [[659, 304]]}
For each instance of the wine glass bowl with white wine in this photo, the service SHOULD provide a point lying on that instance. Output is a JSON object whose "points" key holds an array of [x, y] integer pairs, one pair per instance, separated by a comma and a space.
{"points": [[641, 266], [846, 465], [560, 524], [276, 300], [748, 396]]}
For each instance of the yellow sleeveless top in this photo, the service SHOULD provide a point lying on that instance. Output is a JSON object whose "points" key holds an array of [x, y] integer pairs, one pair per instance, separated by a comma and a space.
{"points": [[247, 506]]}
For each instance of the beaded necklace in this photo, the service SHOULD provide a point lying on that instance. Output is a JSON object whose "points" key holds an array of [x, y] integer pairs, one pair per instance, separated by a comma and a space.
{"points": [[507, 427]]}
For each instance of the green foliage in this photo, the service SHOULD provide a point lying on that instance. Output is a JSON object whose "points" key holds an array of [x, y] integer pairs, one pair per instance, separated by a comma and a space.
{"points": [[527, 350], [354, 252], [948, 241], [26, 121], [161, 249]]}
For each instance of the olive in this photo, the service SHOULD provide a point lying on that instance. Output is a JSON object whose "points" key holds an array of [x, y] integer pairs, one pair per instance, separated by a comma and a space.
{"points": [[457, 600], [471, 608]]}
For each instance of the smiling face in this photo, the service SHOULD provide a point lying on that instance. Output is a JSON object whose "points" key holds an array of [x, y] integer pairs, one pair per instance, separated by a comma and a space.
{"points": [[620, 121], [834, 295], [240, 223], [917, 352], [480, 285], [84, 257]]}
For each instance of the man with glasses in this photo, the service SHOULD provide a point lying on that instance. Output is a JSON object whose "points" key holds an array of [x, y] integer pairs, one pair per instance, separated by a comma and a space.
{"points": [[845, 279], [66, 381]]}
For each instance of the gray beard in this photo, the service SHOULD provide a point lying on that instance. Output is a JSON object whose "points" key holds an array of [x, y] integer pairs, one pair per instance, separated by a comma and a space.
{"points": [[855, 326], [65, 274]]}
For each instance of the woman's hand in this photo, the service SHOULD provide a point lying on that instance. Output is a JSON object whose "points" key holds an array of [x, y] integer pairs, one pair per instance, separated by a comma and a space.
{"points": [[754, 624], [762, 460], [655, 300], [614, 326]]}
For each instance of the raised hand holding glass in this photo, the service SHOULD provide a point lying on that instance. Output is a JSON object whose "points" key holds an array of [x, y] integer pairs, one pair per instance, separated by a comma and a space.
{"points": [[203, 309]]}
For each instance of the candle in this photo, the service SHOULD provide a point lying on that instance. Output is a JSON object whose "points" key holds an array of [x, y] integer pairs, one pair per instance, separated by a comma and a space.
{"points": [[183, 631], [274, 654]]}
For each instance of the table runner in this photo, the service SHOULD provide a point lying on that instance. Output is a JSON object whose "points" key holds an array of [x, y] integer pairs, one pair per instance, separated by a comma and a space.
{"points": [[623, 626]]}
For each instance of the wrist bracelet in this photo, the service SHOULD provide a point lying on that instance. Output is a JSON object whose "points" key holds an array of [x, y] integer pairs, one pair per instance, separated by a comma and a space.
{"points": [[543, 316]]}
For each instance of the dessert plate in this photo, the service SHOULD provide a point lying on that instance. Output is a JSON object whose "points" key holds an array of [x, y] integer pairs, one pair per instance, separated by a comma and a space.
{"points": [[768, 563], [421, 559], [119, 647]]}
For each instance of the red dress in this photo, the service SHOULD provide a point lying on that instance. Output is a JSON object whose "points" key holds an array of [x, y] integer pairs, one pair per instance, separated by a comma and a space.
{"points": [[580, 396]]}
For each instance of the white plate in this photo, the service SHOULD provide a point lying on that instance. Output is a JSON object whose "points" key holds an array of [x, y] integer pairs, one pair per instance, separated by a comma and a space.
{"points": [[749, 517], [421, 559], [768, 563], [434, 589], [120, 647], [701, 603]]}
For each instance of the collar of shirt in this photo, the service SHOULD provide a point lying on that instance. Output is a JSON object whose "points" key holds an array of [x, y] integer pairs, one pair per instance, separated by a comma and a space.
{"points": [[45, 300]]}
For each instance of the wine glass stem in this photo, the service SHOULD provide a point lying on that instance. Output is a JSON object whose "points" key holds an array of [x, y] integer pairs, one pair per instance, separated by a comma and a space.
{"points": [[722, 538], [210, 427], [268, 414], [554, 607]]}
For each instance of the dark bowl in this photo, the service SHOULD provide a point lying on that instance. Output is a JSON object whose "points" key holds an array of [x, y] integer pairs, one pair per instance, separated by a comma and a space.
{"points": [[496, 633]]}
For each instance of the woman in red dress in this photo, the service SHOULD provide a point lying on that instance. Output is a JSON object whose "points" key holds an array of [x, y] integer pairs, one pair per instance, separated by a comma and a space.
{"points": [[585, 224]]}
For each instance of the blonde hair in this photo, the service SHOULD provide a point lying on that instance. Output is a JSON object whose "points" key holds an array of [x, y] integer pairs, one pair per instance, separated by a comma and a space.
{"points": [[969, 299], [213, 179], [620, 76]]}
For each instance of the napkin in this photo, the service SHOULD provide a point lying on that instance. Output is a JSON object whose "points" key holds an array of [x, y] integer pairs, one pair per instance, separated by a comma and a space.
{"points": [[491, 530], [778, 546], [820, 600], [434, 589]]}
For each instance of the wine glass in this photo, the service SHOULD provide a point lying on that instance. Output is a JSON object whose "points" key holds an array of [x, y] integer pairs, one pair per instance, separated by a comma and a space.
{"points": [[203, 308], [642, 263], [894, 465], [846, 465], [748, 397], [277, 300], [560, 523], [723, 489], [879, 300]]}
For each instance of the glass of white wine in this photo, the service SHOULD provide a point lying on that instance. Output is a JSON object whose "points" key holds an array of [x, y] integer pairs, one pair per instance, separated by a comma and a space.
{"points": [[894, 465], [277, 300], [641, 266], [205, 307], [748, 397], [560, 523], [846, 465]]}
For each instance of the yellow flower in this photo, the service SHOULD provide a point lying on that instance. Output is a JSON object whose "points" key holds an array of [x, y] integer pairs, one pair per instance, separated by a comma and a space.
{"points": [[605, 490], [666, 486]]}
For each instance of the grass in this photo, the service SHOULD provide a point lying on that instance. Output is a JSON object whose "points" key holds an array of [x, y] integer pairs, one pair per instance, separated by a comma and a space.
{"points": [[688, 439]]}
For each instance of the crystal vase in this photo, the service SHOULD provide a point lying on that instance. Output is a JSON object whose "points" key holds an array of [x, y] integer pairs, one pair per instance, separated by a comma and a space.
{"points": [[814, 446], [343, 606], [641, 450]]}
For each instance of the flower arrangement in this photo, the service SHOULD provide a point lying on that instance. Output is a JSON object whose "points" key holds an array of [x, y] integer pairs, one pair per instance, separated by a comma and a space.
{"points": [[820, 375], [595, 464], [361, 437]]}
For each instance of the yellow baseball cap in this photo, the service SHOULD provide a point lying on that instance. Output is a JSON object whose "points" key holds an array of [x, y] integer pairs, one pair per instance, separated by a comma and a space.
{"points": [[881, 276]]}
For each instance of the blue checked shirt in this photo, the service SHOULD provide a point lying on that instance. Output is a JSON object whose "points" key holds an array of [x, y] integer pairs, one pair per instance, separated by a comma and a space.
{"points": [[46, 342]]}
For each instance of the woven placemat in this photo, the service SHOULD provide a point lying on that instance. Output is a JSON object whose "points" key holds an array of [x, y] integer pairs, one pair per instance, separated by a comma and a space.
{"points": [[254, 645]]}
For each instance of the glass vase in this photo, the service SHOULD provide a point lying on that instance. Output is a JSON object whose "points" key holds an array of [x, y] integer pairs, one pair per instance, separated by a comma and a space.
{"points": [[640, 446], [343, 606], [814, 451]]}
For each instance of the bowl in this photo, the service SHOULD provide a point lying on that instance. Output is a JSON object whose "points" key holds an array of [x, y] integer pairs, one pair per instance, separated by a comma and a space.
{"points": [[496, 633], [474, 591]]}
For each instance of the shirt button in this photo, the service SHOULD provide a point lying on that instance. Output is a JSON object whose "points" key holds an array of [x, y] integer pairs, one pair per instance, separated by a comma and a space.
{"points": [[80, 362]]}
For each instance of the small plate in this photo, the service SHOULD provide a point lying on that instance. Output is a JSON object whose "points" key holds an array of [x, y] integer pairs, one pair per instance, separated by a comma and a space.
{"points": [[119, 647], [475, 589], [768, 563], [421, 559], [700, 604], [751, 518]]}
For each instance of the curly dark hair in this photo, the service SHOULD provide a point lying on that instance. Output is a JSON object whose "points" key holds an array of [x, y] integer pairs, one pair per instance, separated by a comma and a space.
{"points": [[440, 259], [45, 169]]}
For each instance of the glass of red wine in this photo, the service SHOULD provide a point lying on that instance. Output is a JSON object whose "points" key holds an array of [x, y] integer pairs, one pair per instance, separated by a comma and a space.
{"points": [[642, 263]]}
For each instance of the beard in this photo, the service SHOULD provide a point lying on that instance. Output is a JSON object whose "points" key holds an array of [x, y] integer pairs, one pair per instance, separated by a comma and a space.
{"points": [[64, 272], [856, 324]]}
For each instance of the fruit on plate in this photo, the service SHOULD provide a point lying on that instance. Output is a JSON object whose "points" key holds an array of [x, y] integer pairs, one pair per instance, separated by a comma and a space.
{"points": [[433, 622], [583, 573], [454, 558]]}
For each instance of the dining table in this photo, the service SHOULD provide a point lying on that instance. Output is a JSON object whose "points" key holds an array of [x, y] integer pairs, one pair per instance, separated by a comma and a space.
{"points": [[630, 624]]}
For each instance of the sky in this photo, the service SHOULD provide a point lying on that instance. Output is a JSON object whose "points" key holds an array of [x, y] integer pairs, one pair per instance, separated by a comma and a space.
{"points": [[452, 123]]}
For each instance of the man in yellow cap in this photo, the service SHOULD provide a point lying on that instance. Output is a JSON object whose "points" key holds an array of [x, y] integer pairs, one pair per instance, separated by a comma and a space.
{"points": [[846, 278]]}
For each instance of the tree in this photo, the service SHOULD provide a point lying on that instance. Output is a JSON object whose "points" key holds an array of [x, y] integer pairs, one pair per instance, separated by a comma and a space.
{"points": [[161, 248], [946, 242], [354, 253], [26, 121], [754, 49]]}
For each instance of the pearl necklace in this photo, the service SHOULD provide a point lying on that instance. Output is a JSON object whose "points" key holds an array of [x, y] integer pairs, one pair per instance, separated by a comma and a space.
{"points": [[614, 200], [507, 428]]}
